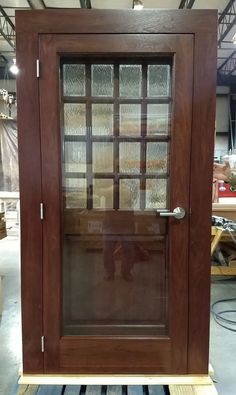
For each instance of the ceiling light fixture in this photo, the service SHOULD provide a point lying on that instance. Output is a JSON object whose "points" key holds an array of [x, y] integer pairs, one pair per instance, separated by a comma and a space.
{"points": [[14, 68], [137, 5]]}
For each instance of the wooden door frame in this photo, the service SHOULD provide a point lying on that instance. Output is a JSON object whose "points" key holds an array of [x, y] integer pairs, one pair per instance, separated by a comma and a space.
{"points": [[203, 25]]}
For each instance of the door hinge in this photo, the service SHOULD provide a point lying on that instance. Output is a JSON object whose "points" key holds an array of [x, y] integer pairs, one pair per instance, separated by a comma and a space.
{"points": [[41, 211], [37, 68], [42, 343]]}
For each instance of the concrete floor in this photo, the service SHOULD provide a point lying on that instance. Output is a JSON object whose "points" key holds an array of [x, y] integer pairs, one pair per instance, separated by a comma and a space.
{"points": [[222, 342]]}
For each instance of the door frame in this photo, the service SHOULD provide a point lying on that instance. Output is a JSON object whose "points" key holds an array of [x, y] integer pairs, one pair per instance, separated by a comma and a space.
{"points": [[203, 25]]}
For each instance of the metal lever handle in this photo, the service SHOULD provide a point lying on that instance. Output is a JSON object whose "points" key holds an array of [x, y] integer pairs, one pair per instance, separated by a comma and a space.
{"points": [[178, 213]]}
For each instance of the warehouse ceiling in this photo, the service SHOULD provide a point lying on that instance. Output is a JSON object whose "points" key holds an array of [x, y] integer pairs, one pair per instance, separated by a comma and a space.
{"points": [[226, 10]]}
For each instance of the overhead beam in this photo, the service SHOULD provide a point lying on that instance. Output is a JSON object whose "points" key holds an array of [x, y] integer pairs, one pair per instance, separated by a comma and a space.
{"points": [[226, 21], [7, 28], [186, 3], [228, 66]]}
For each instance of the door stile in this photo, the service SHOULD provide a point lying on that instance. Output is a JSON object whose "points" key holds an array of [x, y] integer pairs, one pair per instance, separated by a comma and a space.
{"points": [[52, 222], [30, 199], [202, 153], [182, 112]]}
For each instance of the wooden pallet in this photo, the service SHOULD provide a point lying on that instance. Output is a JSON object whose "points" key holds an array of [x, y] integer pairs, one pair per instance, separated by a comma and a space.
{"points": [[172, 389], [220, 235]]}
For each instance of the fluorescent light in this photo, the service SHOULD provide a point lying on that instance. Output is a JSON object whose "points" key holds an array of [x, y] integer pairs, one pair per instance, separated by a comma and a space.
{"points": [[138, 5], [14, 68]]}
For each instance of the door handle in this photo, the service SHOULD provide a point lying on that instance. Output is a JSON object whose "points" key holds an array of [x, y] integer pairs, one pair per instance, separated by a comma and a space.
{"points": [[178, 213]]}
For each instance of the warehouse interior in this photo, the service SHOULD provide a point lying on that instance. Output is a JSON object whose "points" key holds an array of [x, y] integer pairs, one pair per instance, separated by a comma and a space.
{"points": [[223, 247]]}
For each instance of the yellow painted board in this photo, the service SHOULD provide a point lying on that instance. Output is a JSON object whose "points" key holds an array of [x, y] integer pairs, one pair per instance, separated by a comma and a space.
{"points": [[115, 379]]}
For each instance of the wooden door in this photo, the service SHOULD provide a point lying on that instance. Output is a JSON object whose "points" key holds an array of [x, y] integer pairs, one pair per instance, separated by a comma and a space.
{"points": [[118, 149], [115, 135]]}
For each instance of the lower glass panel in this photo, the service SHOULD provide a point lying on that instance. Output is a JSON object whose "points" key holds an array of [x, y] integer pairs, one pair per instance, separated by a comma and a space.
{"points": [[115, 274]]}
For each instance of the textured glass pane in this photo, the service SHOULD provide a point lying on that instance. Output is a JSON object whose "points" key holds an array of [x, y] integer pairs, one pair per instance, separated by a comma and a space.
{"points": [[75, 156], [130, 80], [157, 119], [129, 194], [156, 194], [74, 79], [102, 119], [156, 160], [129, 158], [102, 157], [102, 80], [158, 80], [130, 115], [74, 119], [102, 193], [75, 193]]}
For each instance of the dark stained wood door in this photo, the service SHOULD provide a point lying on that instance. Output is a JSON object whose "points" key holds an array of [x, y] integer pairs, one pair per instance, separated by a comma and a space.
{"points": [[115, 119], [175, 338]]}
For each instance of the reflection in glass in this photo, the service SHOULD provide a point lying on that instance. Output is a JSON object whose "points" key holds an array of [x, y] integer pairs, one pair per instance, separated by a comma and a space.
{"points": [[117, 283], [129, 194], [129, 157], [102, 119], [75, 192], [75, 156], [157, 119], [156, 193], [102, 157], [130, 116], [158, 80], [102, 193], [74, 79], [74, 119], [102, 80], [156, 157], [130, 80]]}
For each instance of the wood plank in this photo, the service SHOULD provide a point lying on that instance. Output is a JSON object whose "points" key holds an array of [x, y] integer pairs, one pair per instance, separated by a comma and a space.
{"points": [[66, 379], [223, 271], [72, 390], [50, 390], [216, 239], [192, 390]]}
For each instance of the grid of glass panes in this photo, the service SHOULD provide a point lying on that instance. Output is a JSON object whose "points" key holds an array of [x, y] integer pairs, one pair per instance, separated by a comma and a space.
{"points": [[116, 134]]}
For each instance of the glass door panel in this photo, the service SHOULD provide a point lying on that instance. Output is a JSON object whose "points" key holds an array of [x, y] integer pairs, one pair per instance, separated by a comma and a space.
{"points": [[115, 138]]}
